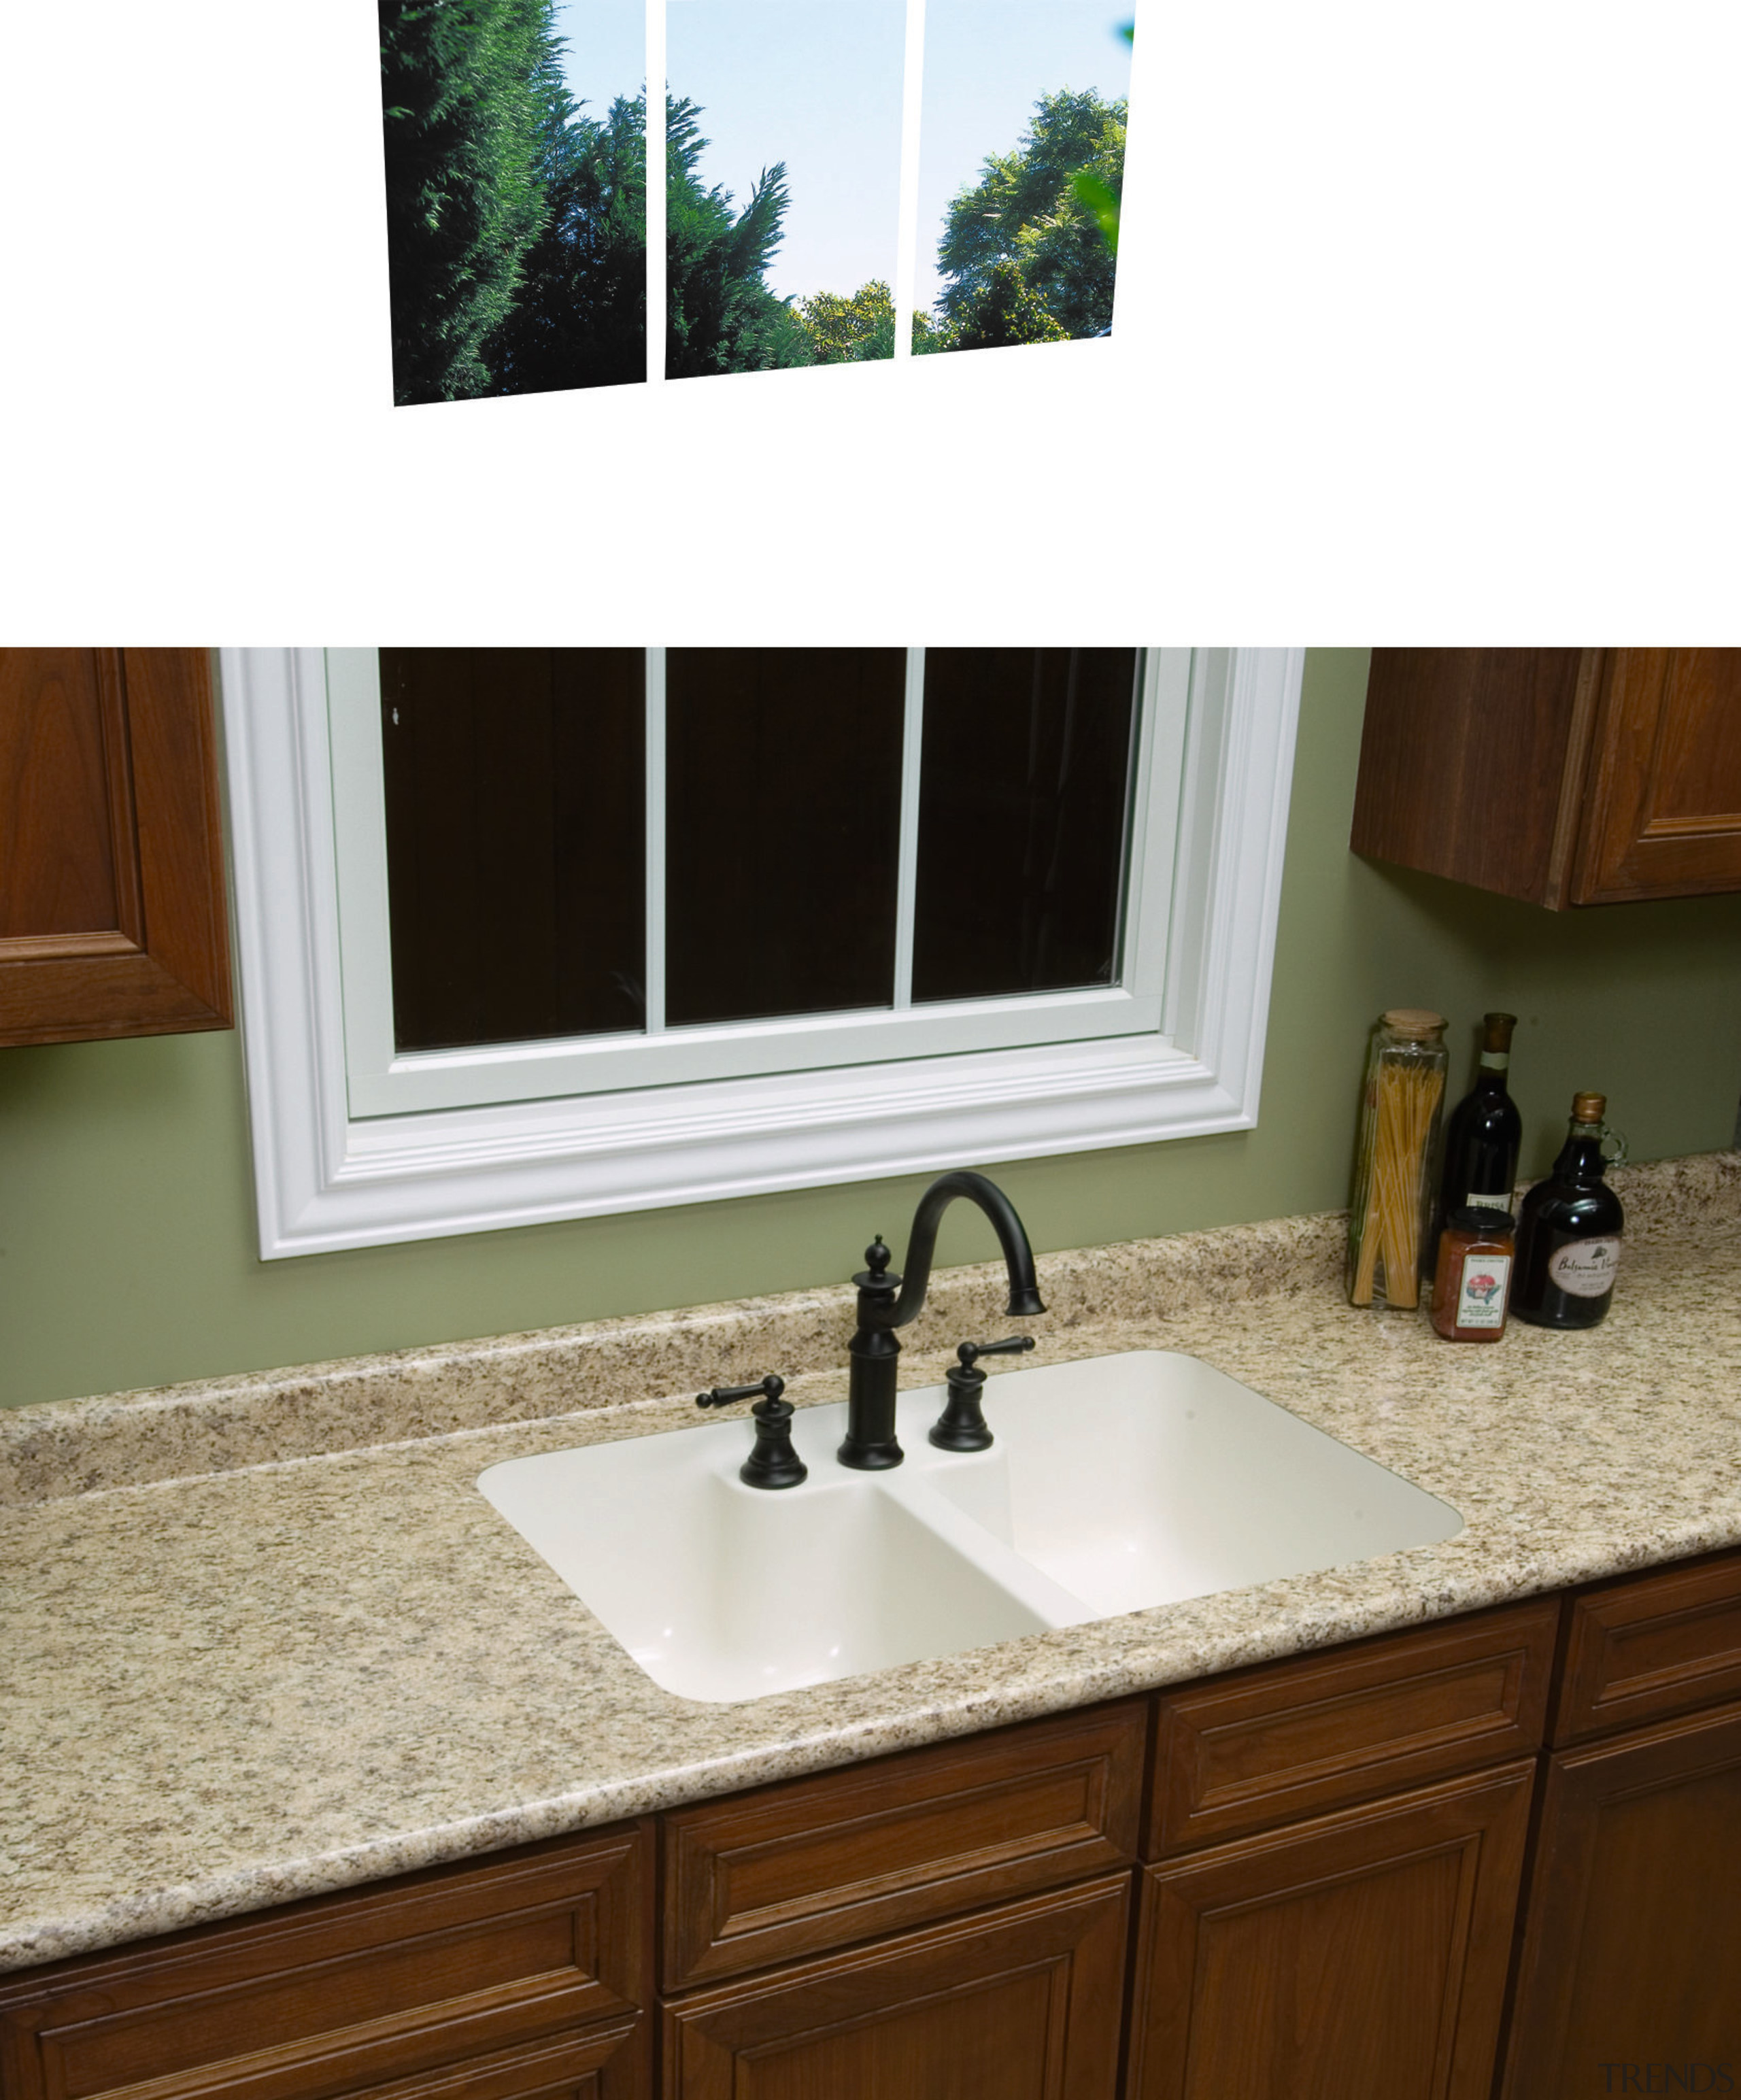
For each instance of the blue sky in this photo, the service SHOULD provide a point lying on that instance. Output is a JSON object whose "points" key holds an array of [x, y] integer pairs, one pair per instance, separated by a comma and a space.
{"points": [[817, 83], [608, 49]]}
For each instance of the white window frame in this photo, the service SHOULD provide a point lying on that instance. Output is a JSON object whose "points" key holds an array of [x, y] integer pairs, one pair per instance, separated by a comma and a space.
{"points": [[383, 1080], [328, 1176]]}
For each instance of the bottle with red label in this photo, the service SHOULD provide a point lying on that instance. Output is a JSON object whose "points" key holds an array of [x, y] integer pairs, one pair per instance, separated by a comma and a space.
{"points": [[1473, 1275], [1570, 1230]]}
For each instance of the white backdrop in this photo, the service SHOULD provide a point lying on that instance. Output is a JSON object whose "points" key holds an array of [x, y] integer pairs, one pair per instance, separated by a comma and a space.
{"points": [[1426, 332]]}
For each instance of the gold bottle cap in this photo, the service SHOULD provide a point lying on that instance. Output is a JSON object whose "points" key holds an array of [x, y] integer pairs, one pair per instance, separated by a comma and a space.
{"points": [[1588, 1107], [1416, 1022]]}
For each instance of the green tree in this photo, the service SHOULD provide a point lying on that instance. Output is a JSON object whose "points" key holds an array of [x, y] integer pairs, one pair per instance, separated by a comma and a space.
{"points": [[850, 331], [465, 95], [580, 316], [1023, 246], [1006, 311], [721, 316]]}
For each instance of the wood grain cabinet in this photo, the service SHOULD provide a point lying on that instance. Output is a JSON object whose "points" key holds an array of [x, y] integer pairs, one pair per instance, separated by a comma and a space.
{"points": [[1363, 1955], [1022, 2002], [1355, 1936], [1632, 1946], [112, 887], [820, 1862], [988, 1999], [1302, 1879], [1562, 776], [529, 1975]]}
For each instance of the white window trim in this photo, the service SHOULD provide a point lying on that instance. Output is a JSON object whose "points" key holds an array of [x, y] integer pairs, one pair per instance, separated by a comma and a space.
{"points": [[384, 1080], [326, 1179]]}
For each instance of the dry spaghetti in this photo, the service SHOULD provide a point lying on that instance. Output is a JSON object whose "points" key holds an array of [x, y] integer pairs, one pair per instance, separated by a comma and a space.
{"points": [[1405, 1086]]}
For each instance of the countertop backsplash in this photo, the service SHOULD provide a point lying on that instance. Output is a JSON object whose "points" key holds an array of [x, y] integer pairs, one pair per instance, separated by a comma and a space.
{"points": [[659, 1361]]}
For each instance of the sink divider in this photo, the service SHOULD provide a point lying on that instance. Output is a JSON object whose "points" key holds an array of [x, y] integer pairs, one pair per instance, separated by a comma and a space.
{"points": [[997, 1562]]}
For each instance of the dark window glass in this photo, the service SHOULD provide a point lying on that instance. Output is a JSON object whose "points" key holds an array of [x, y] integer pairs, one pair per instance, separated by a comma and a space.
{"points": [[782, 820], [516, 832], [1023, 792]]}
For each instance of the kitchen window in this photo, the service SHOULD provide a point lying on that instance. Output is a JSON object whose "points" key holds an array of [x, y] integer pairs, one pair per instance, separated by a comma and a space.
{"points": [[531, 934]]}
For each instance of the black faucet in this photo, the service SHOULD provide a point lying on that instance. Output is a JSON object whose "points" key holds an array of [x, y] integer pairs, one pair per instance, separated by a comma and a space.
{"points": [[888, 1302]]}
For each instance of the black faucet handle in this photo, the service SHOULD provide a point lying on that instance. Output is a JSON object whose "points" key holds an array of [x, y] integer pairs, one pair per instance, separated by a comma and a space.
{"points": [[772, 1464], [970, 1352], [961, 1427], [722, 1395]]}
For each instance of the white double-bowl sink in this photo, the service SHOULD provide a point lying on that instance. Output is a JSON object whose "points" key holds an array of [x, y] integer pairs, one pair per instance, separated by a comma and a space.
{"points": [[1114, 1484]]}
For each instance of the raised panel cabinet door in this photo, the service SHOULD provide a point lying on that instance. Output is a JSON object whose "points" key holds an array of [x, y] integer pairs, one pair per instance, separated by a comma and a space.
{"points": [[338, 1995], [1662, 813], [1362, 1956], [1022, 2002], [1632, 1952], [1283, 1740], [1651, 1648], [811, 1864], [1472, 764], [593, 2063], [113, 919]]}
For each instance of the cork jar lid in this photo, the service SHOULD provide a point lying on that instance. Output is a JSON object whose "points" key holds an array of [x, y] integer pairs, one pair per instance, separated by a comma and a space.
{"points": [[1588, 1107], [1416, 1022]]}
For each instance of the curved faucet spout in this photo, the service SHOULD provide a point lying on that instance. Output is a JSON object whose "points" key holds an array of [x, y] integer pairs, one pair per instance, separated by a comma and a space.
{"points": [[915, 1279], [888, 1302]]}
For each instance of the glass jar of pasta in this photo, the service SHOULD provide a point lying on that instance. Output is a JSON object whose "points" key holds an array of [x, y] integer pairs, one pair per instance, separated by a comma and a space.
{"points": [[1396, 1157]]}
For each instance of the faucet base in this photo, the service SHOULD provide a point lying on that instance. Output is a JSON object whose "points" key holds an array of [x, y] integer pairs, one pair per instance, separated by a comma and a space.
{"points": [[870, 1458]]}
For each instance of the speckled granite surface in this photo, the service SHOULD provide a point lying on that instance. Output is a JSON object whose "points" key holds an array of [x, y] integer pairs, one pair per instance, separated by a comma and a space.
{"points": [[275, 1673]]}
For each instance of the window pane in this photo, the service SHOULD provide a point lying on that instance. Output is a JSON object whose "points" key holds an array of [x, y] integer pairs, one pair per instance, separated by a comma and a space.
{"points": [[1024, 787], [516, 170], [782, 829], [1020, 97], [785, 172], [516, 832]]}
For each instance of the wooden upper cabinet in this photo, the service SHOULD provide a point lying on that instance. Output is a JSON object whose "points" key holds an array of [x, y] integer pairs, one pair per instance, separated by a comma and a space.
{"points": [[1561, 776], [111, 889]]}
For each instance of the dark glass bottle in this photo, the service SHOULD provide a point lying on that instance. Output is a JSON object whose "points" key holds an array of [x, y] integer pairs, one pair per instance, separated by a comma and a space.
{"points": [[1483, 1136], [1569, 1232]]}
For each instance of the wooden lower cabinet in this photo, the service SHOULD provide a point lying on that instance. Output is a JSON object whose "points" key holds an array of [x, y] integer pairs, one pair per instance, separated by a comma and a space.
{"points": [[1023, 2002], [795, 1869], [517, 1978], [1361, 1956], [1632, 1961], [595, 2063], [1319, 1861]]}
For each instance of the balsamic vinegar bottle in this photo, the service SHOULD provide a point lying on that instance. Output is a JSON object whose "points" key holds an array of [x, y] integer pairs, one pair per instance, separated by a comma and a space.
{"points": [[1569, 1232], [1483, 1136]]}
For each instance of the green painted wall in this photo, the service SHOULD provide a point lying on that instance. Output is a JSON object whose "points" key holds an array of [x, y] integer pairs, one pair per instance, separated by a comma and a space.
{"points": [[127, 1243]]}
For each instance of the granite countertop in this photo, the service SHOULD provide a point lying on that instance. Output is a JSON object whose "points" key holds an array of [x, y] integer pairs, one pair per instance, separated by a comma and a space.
{"points": [[264, 1638]]}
